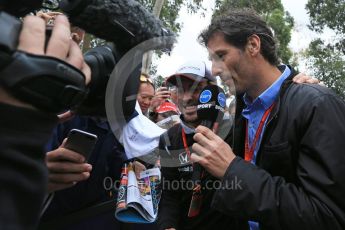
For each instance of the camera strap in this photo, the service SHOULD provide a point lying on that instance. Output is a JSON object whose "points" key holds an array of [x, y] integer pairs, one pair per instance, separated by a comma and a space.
{"points": [[45, 82]]}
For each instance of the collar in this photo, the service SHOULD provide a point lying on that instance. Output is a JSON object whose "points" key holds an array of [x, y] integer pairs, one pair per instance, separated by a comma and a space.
{"points": [[267, 98]]}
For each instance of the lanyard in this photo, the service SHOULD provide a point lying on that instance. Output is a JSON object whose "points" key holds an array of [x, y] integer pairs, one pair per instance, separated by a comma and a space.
{"points": [[249, 152], [184, 139], [197, 196]]}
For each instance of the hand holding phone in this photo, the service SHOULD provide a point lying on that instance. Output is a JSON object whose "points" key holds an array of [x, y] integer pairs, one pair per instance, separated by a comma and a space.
{"points": [[162, 94], [66, 166]]}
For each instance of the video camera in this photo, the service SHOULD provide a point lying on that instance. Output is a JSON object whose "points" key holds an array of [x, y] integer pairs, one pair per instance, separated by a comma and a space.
{"points": [[20, 8], [124, 23]]}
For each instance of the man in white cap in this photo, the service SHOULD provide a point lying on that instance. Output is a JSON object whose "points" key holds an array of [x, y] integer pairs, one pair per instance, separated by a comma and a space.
{"points": [[180, 207], [190, 79]]}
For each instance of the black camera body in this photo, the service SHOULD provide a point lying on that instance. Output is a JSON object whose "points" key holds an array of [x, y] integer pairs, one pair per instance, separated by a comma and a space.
{"points": [[124, 23], [45, 82], [20, 8], [10, 28], [127, 24], [101, 61]]}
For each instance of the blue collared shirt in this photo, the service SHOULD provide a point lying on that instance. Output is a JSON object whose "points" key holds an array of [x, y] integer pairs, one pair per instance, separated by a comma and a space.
{"points": [[255, 110]]}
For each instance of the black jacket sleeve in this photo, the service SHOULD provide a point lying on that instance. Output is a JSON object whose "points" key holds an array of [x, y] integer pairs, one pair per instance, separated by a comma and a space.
{"points": [[169, 206], [316, 199], [23, 175]]}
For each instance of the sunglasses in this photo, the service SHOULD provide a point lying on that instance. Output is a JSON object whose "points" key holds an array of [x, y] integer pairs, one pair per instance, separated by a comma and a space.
{"points": [[143, 78]]}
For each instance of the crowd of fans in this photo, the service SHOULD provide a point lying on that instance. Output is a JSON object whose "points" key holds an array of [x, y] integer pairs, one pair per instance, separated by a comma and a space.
{"points": [[281, 140]]}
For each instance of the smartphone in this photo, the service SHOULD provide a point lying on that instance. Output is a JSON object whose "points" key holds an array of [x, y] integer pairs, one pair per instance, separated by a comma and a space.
{"points": [[81, 142]]}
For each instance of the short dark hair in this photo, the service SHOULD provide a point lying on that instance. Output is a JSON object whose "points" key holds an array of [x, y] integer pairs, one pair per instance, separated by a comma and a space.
{"points": [[237, 25]]}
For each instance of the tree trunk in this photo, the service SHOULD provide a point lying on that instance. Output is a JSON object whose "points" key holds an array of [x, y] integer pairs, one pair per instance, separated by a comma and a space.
{"points": [[147, 58]]}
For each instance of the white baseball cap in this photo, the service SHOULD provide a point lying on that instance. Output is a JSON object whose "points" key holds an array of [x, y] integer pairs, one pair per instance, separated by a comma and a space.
{"points": [[194, 70]]}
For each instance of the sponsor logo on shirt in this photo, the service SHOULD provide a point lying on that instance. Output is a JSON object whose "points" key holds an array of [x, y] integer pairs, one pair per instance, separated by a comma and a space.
{"points": [[183, 157]]}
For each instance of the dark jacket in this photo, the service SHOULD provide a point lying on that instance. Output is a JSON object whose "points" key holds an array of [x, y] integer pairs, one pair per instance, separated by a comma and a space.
{"points": [[299, 181], [106, 160], [177, 189], [23, 174]]}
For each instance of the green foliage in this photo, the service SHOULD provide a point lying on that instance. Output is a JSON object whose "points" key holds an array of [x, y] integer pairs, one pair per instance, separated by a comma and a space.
{"points": [[261, 6], [330, 13], [169, 15], [171, 9], [273, 12], [328, 65], [153, 69], [327, 60], [158, 81], [282, 24]]}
